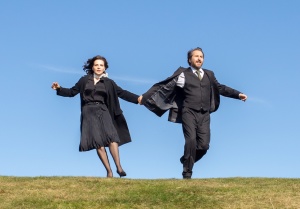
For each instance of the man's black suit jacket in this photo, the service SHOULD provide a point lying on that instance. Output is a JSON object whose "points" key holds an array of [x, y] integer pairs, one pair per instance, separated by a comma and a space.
{"points": [[164, 95]]}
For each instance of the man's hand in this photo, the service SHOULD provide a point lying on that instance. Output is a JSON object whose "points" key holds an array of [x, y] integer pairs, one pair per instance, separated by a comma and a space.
{"points": [[243, 97]]}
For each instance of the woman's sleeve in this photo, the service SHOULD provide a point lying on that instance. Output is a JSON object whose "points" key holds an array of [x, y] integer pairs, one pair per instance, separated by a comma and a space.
{"points": [[126, 95], [69, 92]]}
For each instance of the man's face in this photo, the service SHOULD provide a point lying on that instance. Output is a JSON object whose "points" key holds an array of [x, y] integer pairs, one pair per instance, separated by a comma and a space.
{"points": [[196, 61]]}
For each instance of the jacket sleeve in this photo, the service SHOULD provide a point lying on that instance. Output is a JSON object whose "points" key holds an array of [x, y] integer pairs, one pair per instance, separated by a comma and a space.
{"points": [[225, 90], [150, 92], [69, 92], [160, 85], [126, 95], [161, 96]]}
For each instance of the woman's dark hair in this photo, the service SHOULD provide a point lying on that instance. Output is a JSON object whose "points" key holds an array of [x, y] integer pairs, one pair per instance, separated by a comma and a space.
{"points": [[87, 67], [190, 53]]}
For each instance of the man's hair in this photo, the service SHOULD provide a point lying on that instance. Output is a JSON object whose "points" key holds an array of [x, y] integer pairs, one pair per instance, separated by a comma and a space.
{"points": [[190, 53]]}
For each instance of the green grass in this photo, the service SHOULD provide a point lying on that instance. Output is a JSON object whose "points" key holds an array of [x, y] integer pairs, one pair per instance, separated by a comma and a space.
{"points": [[88, 192]]}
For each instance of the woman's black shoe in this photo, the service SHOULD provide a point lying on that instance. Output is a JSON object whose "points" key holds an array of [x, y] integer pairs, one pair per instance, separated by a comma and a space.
{"points": [[121, 174]]}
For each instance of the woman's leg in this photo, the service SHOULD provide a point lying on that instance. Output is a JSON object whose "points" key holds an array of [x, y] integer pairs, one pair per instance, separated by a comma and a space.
{"points": [[114, 151], [104, 159]]}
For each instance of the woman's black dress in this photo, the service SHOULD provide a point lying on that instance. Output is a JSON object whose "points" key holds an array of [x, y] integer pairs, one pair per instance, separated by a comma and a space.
{"points": [[97, 128]]}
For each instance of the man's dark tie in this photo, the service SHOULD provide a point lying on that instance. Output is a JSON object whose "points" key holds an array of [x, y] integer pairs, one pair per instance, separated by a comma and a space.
{"points": [[199, 74]]}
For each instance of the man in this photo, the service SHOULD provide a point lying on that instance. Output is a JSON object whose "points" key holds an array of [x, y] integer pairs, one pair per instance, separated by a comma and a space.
{"points": [[190, 94]]}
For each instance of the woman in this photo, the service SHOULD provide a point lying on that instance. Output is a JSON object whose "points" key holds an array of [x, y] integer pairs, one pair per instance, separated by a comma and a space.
{"points": [[102, 122]]}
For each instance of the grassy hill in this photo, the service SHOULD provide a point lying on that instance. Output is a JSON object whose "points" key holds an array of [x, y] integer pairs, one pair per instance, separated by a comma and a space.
{"points": [[87, 192]]}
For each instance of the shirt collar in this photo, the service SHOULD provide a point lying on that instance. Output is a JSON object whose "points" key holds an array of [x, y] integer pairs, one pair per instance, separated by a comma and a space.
{"points": [[194, 70], [105, 75]]}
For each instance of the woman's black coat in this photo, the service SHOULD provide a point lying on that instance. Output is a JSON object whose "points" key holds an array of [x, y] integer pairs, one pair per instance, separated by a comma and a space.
{"points": [[112, 102]]}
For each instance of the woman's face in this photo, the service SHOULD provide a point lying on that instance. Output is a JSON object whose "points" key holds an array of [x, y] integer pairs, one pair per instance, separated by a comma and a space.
{"points": [[98, 67]]}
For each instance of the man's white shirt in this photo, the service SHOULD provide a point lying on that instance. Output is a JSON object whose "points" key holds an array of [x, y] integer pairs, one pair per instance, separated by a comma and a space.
{"points": [[181, 79]]}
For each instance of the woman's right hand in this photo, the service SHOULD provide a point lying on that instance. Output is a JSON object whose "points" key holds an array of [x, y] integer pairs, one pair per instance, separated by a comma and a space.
{"points": [[55, 85], [140, 99]]}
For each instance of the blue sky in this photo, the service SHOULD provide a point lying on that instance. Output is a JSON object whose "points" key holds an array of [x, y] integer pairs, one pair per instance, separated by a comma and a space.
{"points": [[252, 46]]}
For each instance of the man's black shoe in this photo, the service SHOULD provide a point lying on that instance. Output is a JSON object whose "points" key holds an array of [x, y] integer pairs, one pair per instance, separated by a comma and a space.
{"points": [[187, 177]]}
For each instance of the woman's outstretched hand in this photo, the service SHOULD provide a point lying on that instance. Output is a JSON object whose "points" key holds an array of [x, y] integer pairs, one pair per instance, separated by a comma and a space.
{"points": [[55, 85]]}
